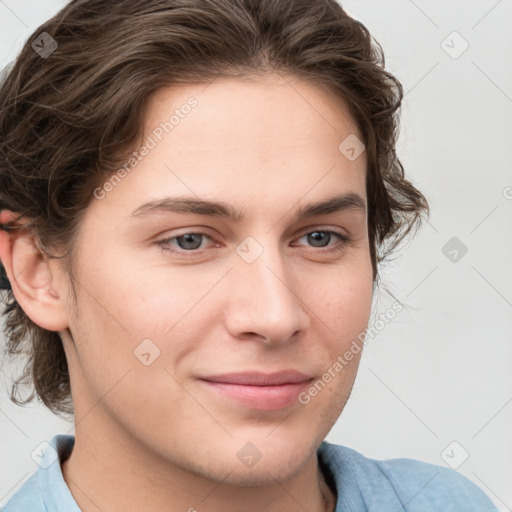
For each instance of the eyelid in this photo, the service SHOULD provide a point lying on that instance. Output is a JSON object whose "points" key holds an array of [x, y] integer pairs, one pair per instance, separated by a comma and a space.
{"points": [[327, 229]]}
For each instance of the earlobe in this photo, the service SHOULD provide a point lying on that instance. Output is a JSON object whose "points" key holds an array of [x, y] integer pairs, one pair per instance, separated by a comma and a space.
{"points": [[39, 293]]}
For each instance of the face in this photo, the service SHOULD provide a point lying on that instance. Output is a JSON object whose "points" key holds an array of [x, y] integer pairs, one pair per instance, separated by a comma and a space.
{"points": [[173, 300]]}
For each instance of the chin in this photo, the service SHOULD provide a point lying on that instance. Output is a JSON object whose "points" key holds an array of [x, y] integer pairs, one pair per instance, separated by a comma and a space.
{"points": [[261, 462], [264, 473]]}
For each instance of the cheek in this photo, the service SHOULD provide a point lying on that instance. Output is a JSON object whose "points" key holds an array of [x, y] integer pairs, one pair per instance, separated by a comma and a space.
{"points": [[138, 322], [347, 301], [138, 297], [346, 313], [130, 369]]}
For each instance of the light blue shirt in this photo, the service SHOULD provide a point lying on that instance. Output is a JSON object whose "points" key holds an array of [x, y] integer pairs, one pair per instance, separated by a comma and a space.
{"points": [[362, 484]]}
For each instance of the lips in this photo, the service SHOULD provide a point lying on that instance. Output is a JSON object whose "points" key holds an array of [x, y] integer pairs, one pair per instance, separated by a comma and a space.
{"points": [[260, 378], [258, 390]]}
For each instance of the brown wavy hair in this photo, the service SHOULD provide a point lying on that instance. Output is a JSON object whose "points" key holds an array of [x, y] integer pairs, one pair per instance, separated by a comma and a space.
{"points": [[68, 120]]}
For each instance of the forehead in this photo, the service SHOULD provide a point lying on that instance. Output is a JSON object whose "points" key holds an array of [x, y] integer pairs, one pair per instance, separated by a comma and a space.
{"points": [[236, 139], [285, 111]]}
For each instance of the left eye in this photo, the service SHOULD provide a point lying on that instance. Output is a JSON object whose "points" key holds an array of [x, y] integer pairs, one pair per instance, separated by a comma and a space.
{"points": [[320, 235], [189, 242], [186, 242]]}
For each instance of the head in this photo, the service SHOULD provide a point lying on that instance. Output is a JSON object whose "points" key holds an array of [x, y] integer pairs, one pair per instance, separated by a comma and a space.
{"points": [[126, 299]]}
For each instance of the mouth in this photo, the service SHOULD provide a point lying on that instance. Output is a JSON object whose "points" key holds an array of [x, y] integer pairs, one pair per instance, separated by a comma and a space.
{"points": [[259, 390]]}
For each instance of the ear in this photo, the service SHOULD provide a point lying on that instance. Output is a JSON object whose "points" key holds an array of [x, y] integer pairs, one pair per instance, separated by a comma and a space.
{"points": [[39, 288]]}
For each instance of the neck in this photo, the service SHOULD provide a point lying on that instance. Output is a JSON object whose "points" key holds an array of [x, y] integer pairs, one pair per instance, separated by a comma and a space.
{"points": [[116, 472]]}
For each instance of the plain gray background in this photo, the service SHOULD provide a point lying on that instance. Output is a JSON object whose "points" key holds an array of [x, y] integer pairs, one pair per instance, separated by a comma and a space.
{"points": [[435, 384]]}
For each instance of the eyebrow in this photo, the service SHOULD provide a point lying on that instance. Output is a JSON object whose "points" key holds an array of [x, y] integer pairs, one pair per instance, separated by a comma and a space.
{"points": [[348, 201]]}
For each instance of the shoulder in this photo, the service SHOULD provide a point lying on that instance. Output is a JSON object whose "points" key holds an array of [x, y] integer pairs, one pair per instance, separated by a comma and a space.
{"points": [[28, 497], [424, 483], [46, 488], [415, 485]]}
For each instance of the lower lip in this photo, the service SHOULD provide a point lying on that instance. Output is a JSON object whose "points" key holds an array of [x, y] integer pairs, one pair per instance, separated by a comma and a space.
{"points": [[265, 398]]}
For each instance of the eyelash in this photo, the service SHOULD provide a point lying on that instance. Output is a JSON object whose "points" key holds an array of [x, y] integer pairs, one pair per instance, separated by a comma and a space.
{"points": [[344, 240]]}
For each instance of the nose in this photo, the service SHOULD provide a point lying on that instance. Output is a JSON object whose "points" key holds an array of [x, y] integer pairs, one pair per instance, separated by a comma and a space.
{"points": [[264, 300]]}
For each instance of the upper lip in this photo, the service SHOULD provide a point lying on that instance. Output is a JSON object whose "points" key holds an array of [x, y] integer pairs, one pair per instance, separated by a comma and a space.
{"points": [[260, 378]]}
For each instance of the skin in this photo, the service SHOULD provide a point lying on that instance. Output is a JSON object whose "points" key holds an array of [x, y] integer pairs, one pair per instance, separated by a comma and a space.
{"points": [[154, 437]]}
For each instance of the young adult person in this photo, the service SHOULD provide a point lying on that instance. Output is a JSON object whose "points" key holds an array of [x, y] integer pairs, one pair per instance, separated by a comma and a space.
{"points": [[195, 197]]}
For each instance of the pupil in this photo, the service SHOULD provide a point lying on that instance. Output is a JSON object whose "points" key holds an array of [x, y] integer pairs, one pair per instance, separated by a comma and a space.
{"points": [[189, 239], [317, 236]]}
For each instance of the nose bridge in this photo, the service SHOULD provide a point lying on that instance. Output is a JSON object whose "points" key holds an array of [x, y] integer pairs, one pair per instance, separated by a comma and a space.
{"points": [[264, 299]]}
